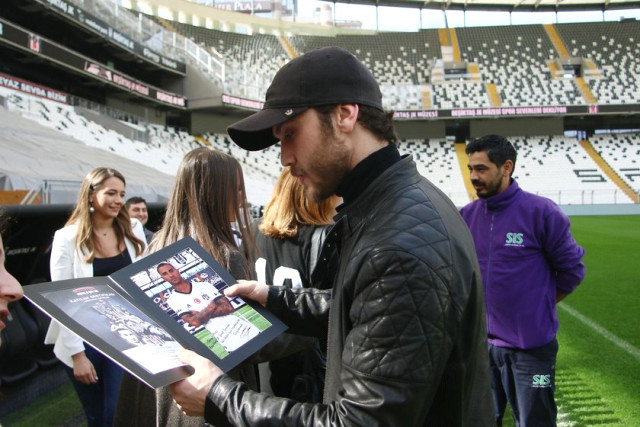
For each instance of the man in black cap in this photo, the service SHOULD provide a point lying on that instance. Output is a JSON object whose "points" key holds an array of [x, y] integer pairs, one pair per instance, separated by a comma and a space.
{"points": [[404, 321]]}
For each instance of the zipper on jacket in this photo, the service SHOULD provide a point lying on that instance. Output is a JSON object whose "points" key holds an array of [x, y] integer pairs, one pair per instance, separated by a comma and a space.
{"points": [[488, 268], [325, 390], [490, 246]]}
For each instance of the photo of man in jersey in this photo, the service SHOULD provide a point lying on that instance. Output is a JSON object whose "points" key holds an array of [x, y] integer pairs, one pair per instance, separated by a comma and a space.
{"points": [[200, 304]]}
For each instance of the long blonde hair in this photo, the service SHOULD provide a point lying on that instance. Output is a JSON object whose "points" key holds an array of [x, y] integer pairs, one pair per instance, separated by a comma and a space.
{"points": [[289, 208], [82, 217], [207, 197]]}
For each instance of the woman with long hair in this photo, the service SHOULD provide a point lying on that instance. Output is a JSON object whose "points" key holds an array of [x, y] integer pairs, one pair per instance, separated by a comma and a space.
{"points": [[289, 237], [289, 209], [98, 239], [207, 199]]}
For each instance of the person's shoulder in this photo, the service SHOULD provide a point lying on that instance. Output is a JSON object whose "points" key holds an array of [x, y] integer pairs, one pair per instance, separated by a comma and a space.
{"points": [[256, 223], [258, 235], [308, 229], [471, 206], [138, 229], [198, 286], [173, 296], [67, 232], [237, 265], [197, 282], [135, 223], [534, 201]]}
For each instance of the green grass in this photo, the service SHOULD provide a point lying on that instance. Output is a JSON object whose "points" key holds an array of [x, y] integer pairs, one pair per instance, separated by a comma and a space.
{"points": [[56, 408], [598, 383], [610, 293]]}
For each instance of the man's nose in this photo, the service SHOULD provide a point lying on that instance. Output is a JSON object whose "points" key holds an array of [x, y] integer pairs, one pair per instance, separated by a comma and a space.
{"points": [[286, 156]]}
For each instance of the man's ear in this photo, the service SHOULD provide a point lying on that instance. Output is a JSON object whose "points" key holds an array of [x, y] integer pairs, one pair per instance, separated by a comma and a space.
{"points": [[508, 168], [347, 116]]}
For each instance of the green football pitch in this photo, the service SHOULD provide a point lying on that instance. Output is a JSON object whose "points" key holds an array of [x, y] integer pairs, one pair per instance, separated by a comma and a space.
{"points": [[598, 369]]}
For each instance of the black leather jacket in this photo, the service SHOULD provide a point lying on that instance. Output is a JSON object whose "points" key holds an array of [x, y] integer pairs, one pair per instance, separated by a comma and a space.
{"points": [[407, 341]]}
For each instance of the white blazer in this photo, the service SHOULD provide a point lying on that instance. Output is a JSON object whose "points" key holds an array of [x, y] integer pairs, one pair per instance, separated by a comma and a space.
{"points": [[67, 262]]}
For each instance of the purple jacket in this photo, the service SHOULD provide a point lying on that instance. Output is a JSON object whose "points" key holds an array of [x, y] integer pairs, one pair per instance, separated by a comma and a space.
{"points": [[526, 254]]}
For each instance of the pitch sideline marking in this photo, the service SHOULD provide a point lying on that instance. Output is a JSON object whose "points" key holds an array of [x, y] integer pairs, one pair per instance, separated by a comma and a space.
{"points": [[634, 352], [563, 418]]}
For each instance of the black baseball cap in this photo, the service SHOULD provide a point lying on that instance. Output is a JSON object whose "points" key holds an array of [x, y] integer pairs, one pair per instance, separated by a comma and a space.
{"points": [[326, 76]]}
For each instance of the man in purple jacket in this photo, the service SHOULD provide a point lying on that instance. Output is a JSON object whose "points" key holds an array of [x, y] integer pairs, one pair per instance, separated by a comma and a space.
{"points": [[529, 261]]}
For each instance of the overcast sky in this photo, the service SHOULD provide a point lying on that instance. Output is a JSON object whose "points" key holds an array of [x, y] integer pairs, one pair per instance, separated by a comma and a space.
{"points": [[399, 19]]}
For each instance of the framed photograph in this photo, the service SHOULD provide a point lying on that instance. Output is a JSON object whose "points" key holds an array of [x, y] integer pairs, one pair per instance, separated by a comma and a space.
{"points": [[185, 285], [172, 298], [94, 309]]}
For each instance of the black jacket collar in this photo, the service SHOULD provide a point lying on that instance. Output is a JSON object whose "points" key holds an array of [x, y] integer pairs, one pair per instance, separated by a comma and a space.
{"points": [[365, 172]]}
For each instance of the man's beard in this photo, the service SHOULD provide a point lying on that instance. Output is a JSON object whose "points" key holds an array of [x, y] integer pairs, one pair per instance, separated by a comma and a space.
{"points": [[329, 162], [488, 190]]}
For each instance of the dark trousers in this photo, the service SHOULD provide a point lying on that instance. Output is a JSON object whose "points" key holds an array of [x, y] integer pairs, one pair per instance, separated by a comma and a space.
{"points": [[526, 380], [99, 400]]}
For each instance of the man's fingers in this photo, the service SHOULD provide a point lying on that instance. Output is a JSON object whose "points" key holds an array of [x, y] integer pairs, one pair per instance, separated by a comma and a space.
{"points": [[193, 359], [186, 356], [189, 395], [238, 289], [250, 289]]}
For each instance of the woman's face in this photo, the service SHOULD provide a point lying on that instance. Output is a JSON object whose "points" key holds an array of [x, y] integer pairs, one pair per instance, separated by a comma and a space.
{"points": [[10, 289], [108, 199]]}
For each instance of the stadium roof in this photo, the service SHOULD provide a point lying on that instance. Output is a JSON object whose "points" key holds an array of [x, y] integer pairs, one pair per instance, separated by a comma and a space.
{"points": [[508, 5]]}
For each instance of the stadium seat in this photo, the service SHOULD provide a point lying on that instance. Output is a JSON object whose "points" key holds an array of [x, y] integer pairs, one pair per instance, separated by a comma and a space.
{"points": [[515, 59], [622, 153], [558, 168], [614, 48]]}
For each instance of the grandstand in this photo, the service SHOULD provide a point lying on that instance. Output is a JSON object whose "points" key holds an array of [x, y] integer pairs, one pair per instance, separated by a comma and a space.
{"points": [[460, 77], [88, 83]]}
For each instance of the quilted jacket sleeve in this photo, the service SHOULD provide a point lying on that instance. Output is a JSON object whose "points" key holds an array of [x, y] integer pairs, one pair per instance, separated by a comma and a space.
{"points": [[305, 311], [389, 367]]}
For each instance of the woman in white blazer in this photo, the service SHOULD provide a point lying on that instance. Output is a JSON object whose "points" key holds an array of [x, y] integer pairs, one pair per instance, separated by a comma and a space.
{"points": [[98, 239]]}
